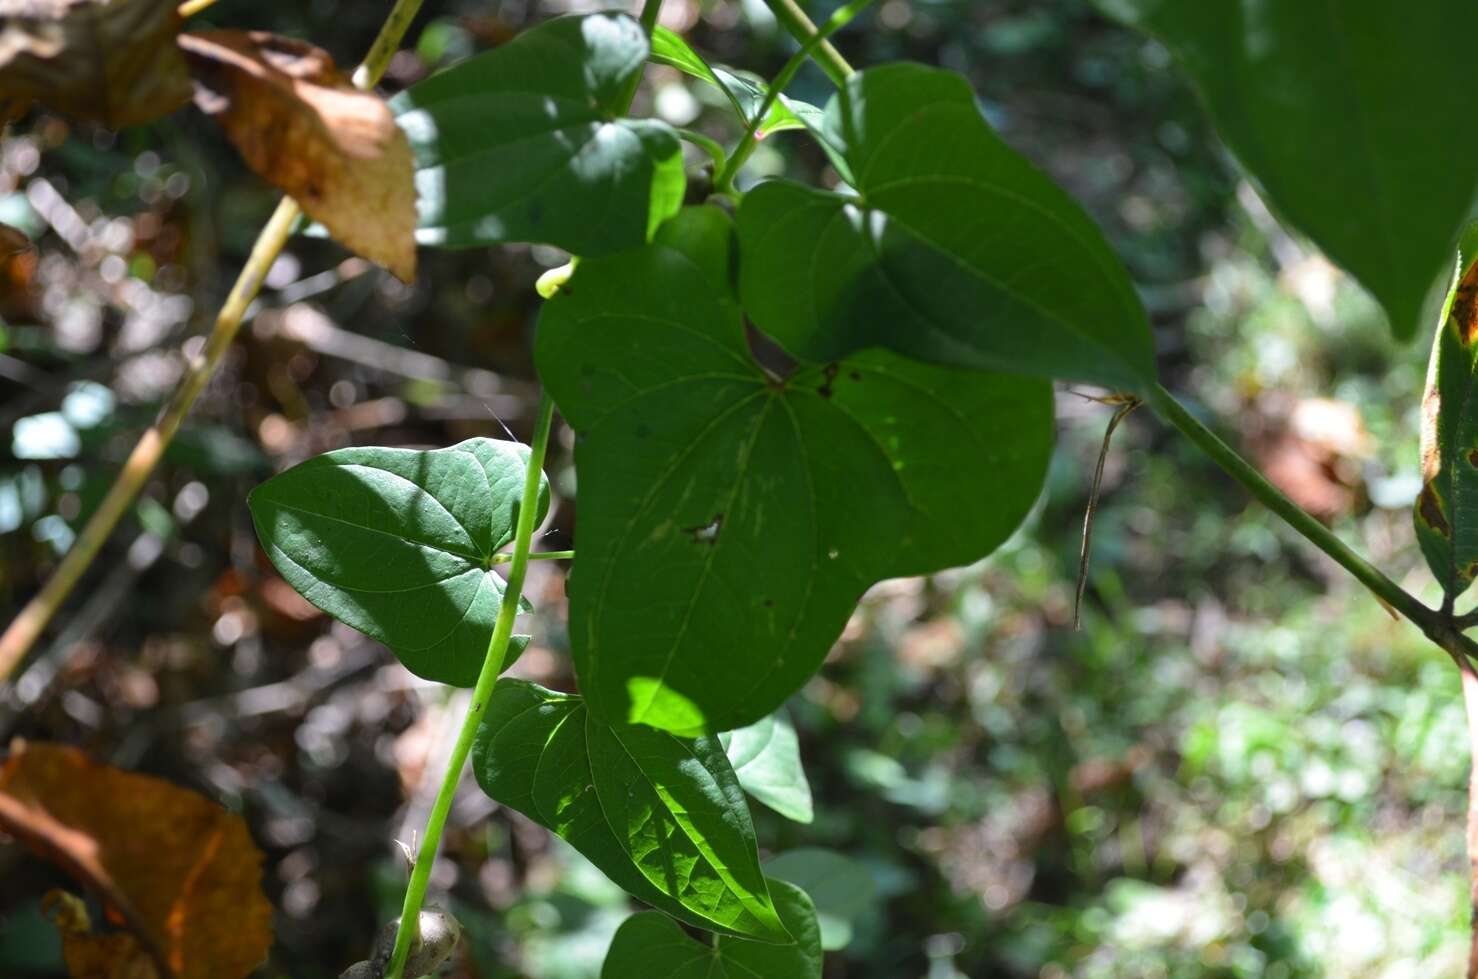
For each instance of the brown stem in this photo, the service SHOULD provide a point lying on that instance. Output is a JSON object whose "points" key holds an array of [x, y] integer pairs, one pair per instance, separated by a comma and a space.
{"points": [[1470, 701]]}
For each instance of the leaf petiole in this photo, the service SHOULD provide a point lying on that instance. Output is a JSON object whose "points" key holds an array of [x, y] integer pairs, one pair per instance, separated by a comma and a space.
{"points": [[504, 557]]}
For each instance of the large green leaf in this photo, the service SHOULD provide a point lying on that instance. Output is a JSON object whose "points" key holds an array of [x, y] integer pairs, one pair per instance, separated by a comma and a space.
{"points": [[767, 759], [1446, 511], [400, 545], [524, 144], [663, 817], [957, 251], [652, 946], [1352, 115], [730, 519], [841, 888]]}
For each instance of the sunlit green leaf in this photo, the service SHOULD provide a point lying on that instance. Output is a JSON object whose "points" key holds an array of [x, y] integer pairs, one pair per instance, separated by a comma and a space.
{"points": [[957, 251], [663, 817], [730, 519], [767, 759], [523, 143], [400, 545], [652, 946], [745, 93], [1353, 117]]}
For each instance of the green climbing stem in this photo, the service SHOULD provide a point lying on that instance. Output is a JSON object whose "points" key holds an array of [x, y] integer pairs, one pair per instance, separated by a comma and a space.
{"points": [[1437, 626], [843, 15], [528, 509], [799, 26]]}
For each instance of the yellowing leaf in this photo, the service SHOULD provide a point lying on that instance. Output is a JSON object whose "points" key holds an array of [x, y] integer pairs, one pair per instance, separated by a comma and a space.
{"points": [[109, 61], [304, 128], [180, 871]]}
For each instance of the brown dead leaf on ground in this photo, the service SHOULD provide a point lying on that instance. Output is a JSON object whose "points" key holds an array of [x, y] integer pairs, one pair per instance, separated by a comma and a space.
{"points": [[304, 128], [179, 870], [108, 61]]}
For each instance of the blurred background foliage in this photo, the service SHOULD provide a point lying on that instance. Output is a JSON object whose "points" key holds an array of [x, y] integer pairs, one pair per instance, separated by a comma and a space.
{"points": [[1240, 766]]}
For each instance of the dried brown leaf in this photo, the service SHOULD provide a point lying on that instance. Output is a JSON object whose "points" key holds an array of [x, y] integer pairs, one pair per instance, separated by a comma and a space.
{"points": [[95, 955], [109, 61], [304, 128], [179, 870]]}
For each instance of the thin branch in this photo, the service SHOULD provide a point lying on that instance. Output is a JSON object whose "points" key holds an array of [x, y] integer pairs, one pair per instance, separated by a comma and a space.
{"points": [[27, 627], [1086, 553], [799, 26], [1437, 627]]}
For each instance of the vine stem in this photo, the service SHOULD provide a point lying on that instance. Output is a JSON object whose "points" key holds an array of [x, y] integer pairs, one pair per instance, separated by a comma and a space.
{"points": [[1438, 627], [27, 627], [803, 29], [492, 665], [809, 46]]}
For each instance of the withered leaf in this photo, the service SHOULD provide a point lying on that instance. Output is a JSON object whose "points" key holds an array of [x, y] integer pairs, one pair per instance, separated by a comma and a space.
{"points": [[108, 61], [95, 955], [303, 127], [180, 871]]}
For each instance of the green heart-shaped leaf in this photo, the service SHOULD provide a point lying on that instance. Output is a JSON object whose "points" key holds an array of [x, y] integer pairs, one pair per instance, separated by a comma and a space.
{"points": [[730, 519], [1446, 511], [1351, 116], [663, 817], [957, 251], [652, 946], [767, 759], [400, 545], [841, 888], [524, 144]]}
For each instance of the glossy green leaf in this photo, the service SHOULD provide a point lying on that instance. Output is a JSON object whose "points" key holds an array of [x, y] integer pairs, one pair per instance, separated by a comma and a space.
{"points": [[400, 545], [652, 946], [745, 93], [729, 519], [841, 889], [1446, 511], [523, 143], [663, 817], [957, 251], [767, 758], [1351, 116]]}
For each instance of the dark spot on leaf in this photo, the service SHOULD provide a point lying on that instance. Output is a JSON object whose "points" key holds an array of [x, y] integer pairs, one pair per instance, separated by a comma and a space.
{"points": [[1473, 458], [769, 603], [1429, 509], [1465, 306], [828, 375], [855, 375], [706, 533]]}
